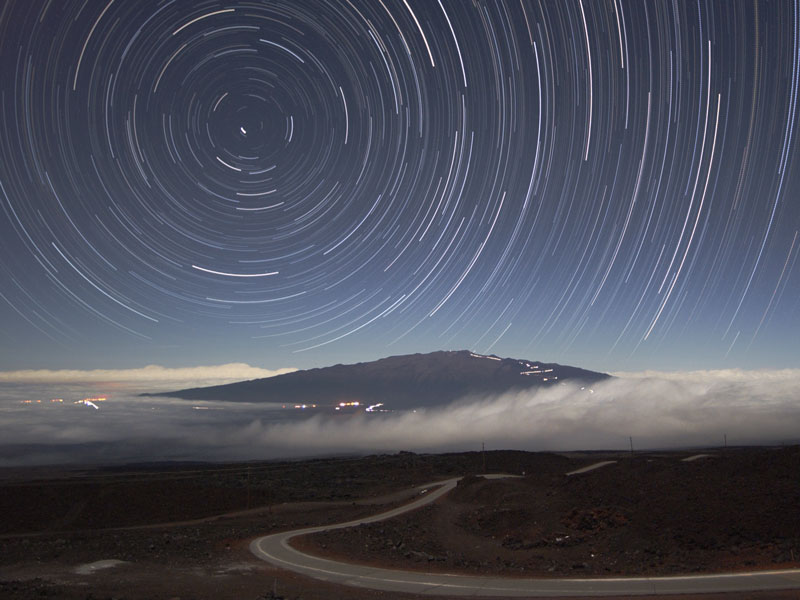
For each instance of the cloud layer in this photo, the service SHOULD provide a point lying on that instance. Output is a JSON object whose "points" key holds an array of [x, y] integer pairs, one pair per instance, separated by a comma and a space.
{"points": [[718, 376], [761, 407], [656, 410], [149, 374]]}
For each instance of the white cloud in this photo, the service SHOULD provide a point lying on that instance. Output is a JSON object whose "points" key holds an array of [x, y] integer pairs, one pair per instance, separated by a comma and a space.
{"points": [[667, 410], [657, 411], [151, 373], [719, 375]]}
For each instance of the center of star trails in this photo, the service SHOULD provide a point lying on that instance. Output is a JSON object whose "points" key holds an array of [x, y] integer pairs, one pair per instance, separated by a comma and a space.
{"points": [[224, 274], [243, 130]]}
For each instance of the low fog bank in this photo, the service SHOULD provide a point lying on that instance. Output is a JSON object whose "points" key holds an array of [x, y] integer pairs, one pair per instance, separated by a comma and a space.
{"points": [[659, 410]]}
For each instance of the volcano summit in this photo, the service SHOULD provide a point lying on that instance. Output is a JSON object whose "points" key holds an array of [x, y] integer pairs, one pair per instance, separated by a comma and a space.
{"points": [[399, 382]]}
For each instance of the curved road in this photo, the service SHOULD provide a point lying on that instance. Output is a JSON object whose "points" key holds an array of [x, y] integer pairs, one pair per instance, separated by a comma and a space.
{"points": [[275, 549]]}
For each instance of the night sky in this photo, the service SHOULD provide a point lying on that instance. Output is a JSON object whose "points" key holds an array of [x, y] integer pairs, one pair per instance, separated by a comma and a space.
{"points": [[609, 184]]}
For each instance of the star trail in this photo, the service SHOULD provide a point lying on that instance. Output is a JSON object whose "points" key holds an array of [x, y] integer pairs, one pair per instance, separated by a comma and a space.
{"points": [[611, 184]]}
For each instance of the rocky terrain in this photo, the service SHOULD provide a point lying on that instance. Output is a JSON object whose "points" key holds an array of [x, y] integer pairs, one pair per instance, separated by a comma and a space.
{"points": [[182, 531], [651, 514]]}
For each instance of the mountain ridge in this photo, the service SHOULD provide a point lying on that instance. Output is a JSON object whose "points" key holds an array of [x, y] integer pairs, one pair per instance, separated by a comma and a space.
{"points": [[403, 381]]}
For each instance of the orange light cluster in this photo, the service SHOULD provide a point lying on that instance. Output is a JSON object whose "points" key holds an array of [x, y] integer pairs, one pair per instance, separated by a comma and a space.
{"points": [[346, 404], [61, 400], [98, 399]]}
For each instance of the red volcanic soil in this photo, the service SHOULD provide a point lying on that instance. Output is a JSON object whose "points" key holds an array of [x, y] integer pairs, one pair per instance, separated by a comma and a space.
{"points": [[183, 531]]}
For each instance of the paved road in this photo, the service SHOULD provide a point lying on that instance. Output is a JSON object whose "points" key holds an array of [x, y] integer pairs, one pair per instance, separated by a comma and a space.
{"points": [[275, 549], [598, 465], [696, 457]]}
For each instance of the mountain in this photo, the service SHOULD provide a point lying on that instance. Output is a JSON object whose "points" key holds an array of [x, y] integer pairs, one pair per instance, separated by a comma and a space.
{"points": [[399, 382]]}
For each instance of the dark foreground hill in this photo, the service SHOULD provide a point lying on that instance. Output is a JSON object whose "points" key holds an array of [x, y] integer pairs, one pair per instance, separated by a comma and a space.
{"points": [[409, 381], [652, 514], [184, 530]]}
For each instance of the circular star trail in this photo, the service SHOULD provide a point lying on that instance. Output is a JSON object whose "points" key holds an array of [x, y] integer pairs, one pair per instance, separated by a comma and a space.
{"points": [[587, 181]]}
